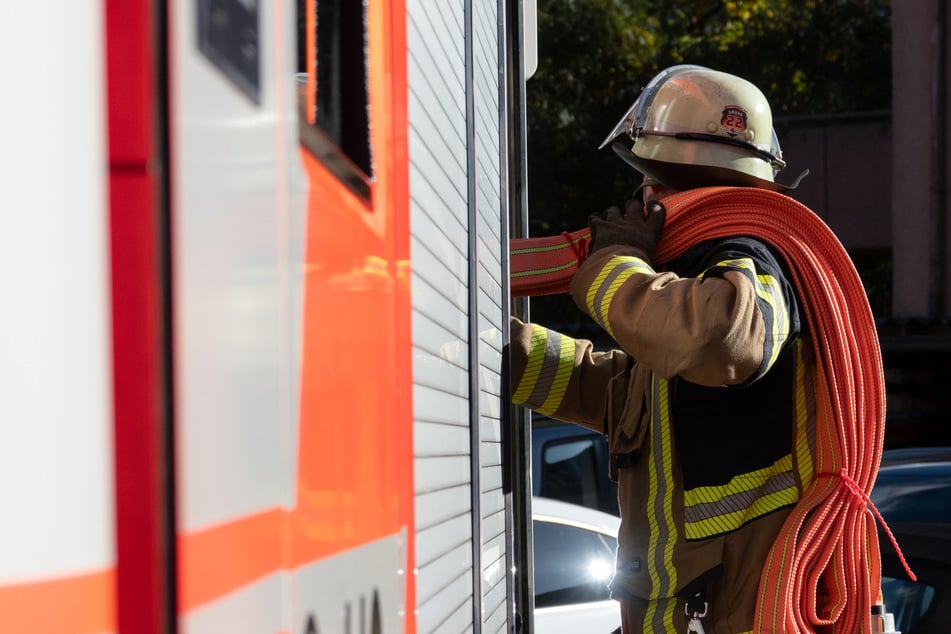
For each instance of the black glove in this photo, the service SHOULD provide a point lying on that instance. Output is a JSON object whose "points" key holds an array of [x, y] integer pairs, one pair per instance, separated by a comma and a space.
{"points": [[633, 229]]}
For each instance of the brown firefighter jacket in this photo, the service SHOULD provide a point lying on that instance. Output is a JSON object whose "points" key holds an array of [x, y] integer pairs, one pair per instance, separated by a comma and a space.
{"points": [[708, 411]]}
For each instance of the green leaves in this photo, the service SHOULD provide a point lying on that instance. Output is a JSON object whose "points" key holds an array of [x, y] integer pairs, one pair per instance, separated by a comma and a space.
{"points": [[808, 57]]}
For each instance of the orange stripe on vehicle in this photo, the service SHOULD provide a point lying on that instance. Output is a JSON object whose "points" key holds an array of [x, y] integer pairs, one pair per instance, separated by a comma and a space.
{"points": [[80, 604], [220, 559]]}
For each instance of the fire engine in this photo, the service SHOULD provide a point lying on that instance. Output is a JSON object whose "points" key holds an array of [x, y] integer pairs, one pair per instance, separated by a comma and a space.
{"points": [[255, 300]]}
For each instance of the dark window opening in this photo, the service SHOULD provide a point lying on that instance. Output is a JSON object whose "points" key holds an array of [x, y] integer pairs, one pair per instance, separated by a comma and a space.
{"points": [[569, 472], [341, 97], [228, 35], [342, 100]]}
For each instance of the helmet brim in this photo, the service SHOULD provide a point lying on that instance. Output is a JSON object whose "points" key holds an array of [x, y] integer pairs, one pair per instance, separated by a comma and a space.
{"points": [[684, 176]]}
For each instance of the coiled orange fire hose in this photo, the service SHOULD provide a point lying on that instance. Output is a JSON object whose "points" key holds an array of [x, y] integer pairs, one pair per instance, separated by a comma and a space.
{"points": [[823, 572]]}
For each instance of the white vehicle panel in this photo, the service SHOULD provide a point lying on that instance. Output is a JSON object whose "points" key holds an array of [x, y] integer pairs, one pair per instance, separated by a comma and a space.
{"points": [[238, 226], [602, 617], [56, 418]]}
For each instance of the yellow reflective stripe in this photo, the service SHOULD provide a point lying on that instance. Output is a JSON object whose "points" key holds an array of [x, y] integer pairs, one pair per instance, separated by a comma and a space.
{"points": [[767, 288], [659, 616], [713, 510], [536, 359], [660, 496], [566, 362], [804, 406], [612, 275], [739, 484], [548, 369], [596, 284], [727, 522], [740, 263], [649, 615], [668, 622], [667, 473], [653, 484]]}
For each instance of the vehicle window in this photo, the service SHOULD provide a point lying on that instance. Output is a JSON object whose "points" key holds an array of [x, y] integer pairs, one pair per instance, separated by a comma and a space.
{"points": [[572, 565], [342, 110], [228, 34], [569, 472], [907, 601], [334, 89], [912, 496]]}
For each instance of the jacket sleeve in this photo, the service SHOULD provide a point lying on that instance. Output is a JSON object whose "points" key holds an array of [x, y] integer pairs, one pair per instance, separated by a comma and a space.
{"points": [[724, 326], [562, 377]]}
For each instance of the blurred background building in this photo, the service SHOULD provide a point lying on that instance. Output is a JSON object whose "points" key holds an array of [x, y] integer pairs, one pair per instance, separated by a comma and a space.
{"points": [[880, 180]]}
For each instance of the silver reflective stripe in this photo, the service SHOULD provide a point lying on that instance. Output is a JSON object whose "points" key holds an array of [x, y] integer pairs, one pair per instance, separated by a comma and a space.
{"points": [[549, 369], [739, 501]]}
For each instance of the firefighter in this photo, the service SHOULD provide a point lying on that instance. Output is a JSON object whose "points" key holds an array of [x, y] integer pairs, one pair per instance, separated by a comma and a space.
{"points": [[708, 394]]}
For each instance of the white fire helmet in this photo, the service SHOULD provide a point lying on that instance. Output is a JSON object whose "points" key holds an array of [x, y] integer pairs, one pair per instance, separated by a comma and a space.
{"points": [[695, 127]]}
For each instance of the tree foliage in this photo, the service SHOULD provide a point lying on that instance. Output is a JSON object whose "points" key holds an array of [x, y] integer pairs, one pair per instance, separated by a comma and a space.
{"points": [[808, 56]]}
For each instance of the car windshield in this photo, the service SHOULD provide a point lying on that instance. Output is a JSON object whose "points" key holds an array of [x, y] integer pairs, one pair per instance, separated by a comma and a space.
{"points": [[918, 493], [572, 564]]}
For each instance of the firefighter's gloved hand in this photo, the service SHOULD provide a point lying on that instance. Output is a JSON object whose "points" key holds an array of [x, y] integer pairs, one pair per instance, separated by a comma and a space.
{"points": [[632, 229]]}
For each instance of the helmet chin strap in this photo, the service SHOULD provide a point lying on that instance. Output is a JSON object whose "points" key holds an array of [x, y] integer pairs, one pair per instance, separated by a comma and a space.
{"points": [[682, 176], [647, 182]]}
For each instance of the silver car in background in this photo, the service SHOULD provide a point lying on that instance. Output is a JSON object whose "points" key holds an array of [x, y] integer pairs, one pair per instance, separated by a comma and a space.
{"points": [[574, 562]]}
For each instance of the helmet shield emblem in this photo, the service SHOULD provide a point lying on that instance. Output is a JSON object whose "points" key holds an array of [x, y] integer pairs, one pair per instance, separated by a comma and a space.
{"points": [[733, 120]]}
